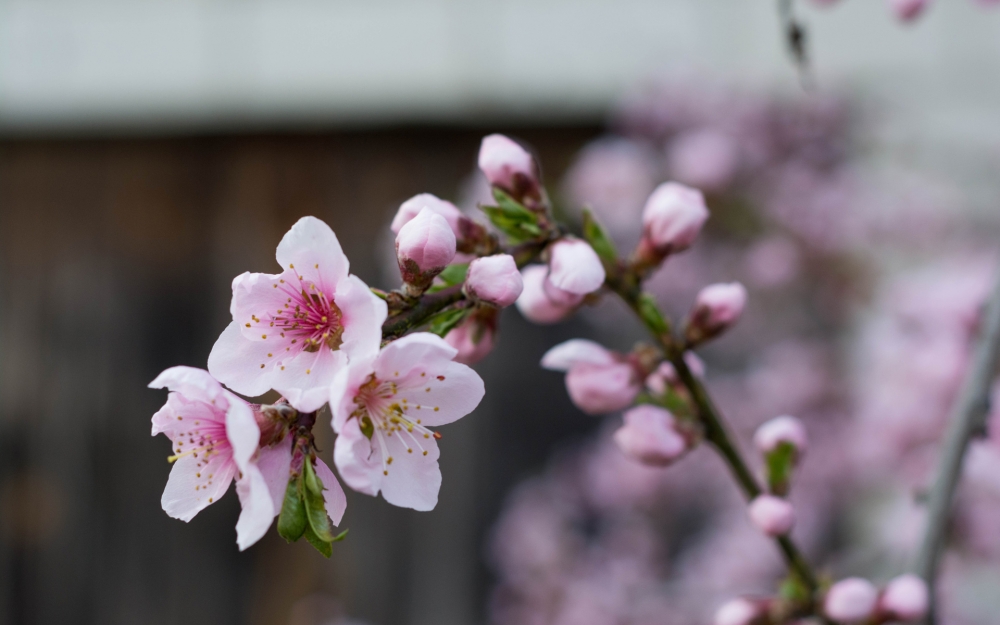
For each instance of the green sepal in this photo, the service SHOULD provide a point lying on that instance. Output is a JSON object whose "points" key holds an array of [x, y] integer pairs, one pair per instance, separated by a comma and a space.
{"points": [[780, 463], [651, 315], [512, 218], [322, 546], [446, 321], [367, 427], [454, 274], [292, 520], [595, 234], [315, 506], [793, 589]]}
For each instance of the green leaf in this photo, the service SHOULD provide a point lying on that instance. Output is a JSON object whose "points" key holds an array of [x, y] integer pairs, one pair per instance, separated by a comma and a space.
{"points": [[651, 315], [292, 520], [780, 464], [792, 589], [595, 234], [454, 274], [512, 218], [323, 546], [446, 321], [315, 506]]}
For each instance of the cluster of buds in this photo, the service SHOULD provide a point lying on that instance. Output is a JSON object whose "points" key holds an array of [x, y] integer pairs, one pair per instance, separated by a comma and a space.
{"points": [[553, 292], [781, 441]]}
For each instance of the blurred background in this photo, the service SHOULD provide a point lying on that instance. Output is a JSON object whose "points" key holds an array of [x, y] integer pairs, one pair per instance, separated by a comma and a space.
{"points": [[151, 151]]}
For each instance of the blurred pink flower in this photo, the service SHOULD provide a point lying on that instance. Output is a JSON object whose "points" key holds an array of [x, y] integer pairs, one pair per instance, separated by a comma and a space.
{"points": [[706, 158], [598, 380], [650, 436]]}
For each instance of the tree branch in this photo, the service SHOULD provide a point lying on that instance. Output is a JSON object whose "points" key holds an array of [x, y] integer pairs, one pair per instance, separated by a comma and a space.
{"points": [[968, 418]]}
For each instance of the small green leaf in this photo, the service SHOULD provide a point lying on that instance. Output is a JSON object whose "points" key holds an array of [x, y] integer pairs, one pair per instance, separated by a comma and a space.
{"points": [[792, 589], [315, 506], [341, 536], [651, 315], [292, 520], [594, 233], [512, 218], [323, 546], [454, 274], [446, 321], [367, 427], [780, 464]]}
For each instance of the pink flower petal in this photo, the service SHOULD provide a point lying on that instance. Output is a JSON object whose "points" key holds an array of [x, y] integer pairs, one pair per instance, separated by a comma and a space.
{"points": [[333, 492], [233, 361], [420, 351], [413, 479], [305, 380], [446, 394], [574, 352], [242, 431], [187, 494], [258, 508], [313, 248], [357, 460], [363, 316]]}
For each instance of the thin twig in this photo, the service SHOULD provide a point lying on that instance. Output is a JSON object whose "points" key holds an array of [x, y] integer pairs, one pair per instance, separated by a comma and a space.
{"points": [[795, 40], [968, 418]]}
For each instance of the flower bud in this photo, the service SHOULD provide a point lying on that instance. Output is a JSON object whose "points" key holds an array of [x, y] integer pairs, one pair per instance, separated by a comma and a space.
{"points": [[508, 166], [534, 301], [850, 600], [671, 221], [649, 435], [772, 515], [575, 267], [783, 429], [739, 611], [424, 246], [598, 380], [665, 375], [907, 10], [475, 337], [717, 308], [412, 207], [905, 598], [494, 280]]}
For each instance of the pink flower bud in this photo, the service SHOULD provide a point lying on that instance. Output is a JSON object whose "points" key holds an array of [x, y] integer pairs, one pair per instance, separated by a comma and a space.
{"points": [[665, 375], [907, 10], [494, 280], [784, 429], [850, 600], [649, 436], [738, 611], [599, 381], [716, 309], [424, 246], [575, 267], [673, 217], [534, 303], [905, 598], [772, 515], [412, 207], [508, 165], [474, 338]]}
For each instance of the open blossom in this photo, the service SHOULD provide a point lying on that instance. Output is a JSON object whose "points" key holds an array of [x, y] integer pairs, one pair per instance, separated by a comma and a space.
{"points": [[851, 600], [575, 267], [536, 301], [783, 429], [508, 165], [412, 207], [494, 280], [905, 598], [293, 331], [772, 515], [383, 408], [598, 380], [215, 440], [650, 436]]}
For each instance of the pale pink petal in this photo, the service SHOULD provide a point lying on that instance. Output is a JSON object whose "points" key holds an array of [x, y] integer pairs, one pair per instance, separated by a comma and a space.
{"points": [[575, 267], [358, 460], [600, 389], [649, 436], [363, 316], [413, 479], [534, 303], [275, 463], [305, 379], [313, 249], [258, 508], [412, 207], [344, 389], [444, 395], [257, 297], [234, 362], [419, 351], [333, 492], [242, 431], [574, 352], [190, 489], [167, 421], [194, 383]]}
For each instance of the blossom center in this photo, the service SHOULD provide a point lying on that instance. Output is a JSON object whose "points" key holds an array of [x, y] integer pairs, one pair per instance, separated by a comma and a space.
{"points": [[383, 416], [308, 316], [204, 441]]}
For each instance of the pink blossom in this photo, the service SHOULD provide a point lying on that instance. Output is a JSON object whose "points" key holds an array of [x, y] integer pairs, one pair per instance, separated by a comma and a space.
{"points": [[215, 439], [293, 331], [575, 267], [673, 217], [599, 381], [425, 244], [737, 611], [907, 10], [474, 338], [534, 301], [412, 207], [508, 165], [905, 598], [706, 158], [382, 409], [716, 309], [650, 436], [772, 515], [851, 600], [494, 280], [783, 429]]}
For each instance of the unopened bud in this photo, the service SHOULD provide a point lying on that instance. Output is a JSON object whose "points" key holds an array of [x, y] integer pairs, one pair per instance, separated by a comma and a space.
{"points": [[783, 429], [509, 166], [424, 246], [475, 337], [851, 600], [598, 381], [907, 10], [905, 598], [534, 302], [740, 611], [772, 515], [494, 280], [650, 436], [717, 308], [575, 267], [665, 375], [409, 209], [673, 217]]}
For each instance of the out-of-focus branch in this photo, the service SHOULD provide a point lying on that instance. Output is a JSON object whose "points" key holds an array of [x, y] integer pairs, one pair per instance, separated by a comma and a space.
{"points": [[968, 418], [795, 41]]}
